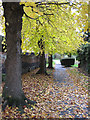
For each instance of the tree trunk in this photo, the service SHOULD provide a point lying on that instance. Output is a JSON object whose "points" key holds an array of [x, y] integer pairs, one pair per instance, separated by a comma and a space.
{"points": [[13, 93], [50, 61], [69, 55], [42, 64], [42, 58]]}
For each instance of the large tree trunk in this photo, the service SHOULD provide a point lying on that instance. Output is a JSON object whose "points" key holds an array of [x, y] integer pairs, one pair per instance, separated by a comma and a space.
{"points": [[13, 92], [50, 61]]}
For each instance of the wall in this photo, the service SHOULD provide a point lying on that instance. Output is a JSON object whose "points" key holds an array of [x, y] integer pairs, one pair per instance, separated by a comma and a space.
{"points": [[29, 62]]}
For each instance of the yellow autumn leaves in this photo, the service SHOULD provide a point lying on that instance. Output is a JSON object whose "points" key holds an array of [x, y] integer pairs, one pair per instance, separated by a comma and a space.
{"points": [[59, 30]]}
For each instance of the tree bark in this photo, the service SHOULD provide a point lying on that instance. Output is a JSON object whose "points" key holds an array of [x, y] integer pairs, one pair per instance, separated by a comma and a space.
{"points": [[42, 58], [69, 55], [50, 61], [12, 92], [42, 64]]}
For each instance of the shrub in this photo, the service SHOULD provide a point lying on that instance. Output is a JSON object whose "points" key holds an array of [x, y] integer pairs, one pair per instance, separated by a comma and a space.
{"points": [[84, 57], [67, 61]]}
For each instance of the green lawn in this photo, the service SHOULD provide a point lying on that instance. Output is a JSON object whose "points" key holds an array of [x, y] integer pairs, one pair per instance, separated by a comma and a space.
{"points": [[53, 64], [75, 65]]}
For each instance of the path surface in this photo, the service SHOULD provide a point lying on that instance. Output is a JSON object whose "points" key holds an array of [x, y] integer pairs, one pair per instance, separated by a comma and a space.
{"points": [[65, 96], [74, 100], [60, 74]]}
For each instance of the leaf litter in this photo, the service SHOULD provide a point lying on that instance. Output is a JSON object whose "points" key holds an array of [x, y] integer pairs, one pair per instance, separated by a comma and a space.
{"points": [[54, 99]]}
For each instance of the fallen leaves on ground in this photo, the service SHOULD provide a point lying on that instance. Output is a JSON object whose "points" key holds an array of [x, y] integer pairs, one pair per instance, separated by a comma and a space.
{"points": [[54, 100]]}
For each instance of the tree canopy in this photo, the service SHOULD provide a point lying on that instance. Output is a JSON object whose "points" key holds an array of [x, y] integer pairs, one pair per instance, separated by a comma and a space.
{"points": [[60, 24]]}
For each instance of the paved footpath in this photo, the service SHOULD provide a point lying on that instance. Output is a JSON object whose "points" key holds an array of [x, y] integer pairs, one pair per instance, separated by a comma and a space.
{"points": [[74, 101], [60, 72]]}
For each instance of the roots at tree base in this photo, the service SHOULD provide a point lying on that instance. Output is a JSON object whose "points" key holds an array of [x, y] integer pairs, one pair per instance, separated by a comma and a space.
{"points": [[50, 67], [44, 73], [15, 102]]}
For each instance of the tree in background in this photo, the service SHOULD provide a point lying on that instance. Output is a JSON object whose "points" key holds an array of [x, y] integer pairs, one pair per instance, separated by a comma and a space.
{"points": [[84, 50], [50, 62], [84, 53]]}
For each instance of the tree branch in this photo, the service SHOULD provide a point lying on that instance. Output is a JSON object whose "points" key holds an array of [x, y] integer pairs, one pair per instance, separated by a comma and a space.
{"points": [[48, 14], [38, 16], [50, 3], [29, 16], [40, 22]]}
